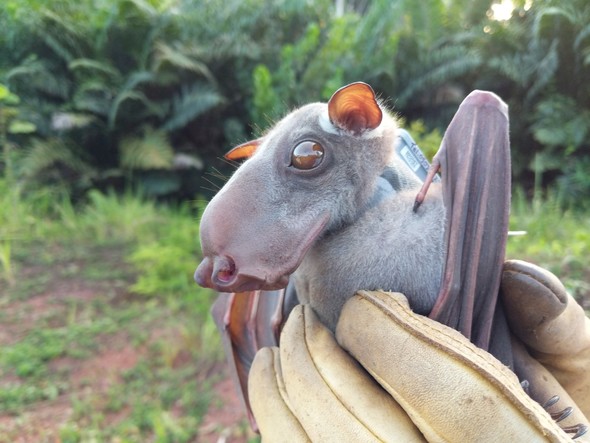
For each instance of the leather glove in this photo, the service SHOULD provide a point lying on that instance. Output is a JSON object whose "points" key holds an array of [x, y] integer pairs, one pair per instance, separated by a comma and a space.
{"points": [[419, 381], [555, 334]]}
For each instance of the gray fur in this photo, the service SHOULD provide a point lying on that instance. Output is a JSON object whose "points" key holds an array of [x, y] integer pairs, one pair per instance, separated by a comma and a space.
{"points": [[262, 216], [389, 247]]}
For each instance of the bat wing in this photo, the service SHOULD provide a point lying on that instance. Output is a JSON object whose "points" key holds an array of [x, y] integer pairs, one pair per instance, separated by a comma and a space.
{"points": [[249, 321], [475, 162]]}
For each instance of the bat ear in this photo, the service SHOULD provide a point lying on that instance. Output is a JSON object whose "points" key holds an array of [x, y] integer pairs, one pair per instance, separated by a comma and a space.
{"points": [[354, 108], [245, 150]]}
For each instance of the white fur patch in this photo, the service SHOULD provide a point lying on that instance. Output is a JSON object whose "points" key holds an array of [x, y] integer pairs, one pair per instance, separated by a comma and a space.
{"points": [[326, 125], [374, 133]]}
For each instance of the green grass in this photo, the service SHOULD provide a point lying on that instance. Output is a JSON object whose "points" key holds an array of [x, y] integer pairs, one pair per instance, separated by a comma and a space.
{"points": [[110, 283], [555, 239]]}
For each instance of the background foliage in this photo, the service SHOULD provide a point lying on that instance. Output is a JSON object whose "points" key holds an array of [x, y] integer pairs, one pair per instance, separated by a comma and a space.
{"points": [[110, 93], [106, 104]]}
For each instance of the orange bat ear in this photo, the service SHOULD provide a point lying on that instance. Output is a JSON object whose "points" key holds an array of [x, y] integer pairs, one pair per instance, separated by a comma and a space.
{"points": [[245, 150], [354, 108]]}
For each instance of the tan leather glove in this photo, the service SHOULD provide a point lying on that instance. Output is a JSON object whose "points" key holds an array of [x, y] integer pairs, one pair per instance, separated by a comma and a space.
{"points": [[556, 334], [427, 382]]}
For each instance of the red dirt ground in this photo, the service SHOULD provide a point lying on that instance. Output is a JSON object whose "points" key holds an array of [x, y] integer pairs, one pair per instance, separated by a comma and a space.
{"points": [[225, 421]]}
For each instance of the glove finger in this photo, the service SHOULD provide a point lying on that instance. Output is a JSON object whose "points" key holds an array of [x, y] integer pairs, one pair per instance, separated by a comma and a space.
{"points": [[452, 390], [334, 399], [552, 325], [269, 401], [540, 311], [543, 386]]}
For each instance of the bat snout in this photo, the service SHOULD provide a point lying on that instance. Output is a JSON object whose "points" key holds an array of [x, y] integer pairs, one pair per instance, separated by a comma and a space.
{"points": [[222, 274], [219, 271]]}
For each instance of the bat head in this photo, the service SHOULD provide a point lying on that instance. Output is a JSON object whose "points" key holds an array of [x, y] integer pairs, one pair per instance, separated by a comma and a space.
{"points": [[311, 174]]}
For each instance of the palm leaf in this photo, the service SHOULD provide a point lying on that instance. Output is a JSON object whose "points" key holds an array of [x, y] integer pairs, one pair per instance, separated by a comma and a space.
{"points": [[93, 96], [128, 92], [40, 76], [43, 155], [165, 54], [548, 13], [545, 71], [582, 35], [190, 104], [94, 66], [151, 150], [443, 65]]}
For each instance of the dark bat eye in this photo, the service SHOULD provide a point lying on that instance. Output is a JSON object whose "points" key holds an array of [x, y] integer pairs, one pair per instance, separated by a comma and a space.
{"points": [[307, 155]]}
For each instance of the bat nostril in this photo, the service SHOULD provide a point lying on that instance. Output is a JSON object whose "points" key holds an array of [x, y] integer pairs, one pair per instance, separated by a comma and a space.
{"points": [[224, 270]]}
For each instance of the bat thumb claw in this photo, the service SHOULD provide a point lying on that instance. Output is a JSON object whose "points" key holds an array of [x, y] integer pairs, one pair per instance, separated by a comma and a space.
{"points": [[417, 204]]}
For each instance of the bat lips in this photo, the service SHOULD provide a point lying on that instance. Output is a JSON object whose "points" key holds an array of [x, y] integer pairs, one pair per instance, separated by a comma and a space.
{"points": [[221, 274], [236, 268]]}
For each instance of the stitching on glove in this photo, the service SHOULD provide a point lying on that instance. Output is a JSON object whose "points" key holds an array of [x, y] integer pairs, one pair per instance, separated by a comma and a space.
{"points": [[461, 349], [319, 372]]}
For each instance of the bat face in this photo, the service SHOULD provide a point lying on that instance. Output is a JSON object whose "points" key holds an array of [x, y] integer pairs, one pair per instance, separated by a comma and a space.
{"points": [[308, 176]]}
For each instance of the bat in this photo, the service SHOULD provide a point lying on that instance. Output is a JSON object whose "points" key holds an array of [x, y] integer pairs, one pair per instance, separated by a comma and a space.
{"points": [[324, 206], [324, 201]]}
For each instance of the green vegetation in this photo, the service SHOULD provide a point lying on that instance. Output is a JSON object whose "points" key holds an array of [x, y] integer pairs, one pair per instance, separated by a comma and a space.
{"points": [[113, 118], [104, 93], [101, 321], [555, 239]]}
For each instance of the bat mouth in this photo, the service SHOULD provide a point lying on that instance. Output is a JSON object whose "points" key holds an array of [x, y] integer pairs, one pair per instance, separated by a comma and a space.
{"points": [[222, 275], [230, 273]]}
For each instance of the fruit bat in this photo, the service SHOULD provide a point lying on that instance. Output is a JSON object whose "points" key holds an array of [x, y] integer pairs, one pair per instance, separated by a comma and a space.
{"points": [[325, 205]]}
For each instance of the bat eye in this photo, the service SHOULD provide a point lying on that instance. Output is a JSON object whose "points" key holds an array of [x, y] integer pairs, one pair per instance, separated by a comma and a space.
{"points": [[307, 155]]}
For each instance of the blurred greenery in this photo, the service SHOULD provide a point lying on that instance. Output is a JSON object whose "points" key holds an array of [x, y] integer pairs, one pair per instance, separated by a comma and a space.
{"points": [[118, 273], [114, 115], [112, 276], [108, 93]]}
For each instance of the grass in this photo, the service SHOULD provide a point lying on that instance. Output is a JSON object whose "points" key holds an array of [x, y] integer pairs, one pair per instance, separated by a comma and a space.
{"points": [[555, 239], [104, 337]]}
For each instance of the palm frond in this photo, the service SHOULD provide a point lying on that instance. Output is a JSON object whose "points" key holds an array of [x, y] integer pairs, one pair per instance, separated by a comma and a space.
{"points": [[150, 150], [43, 155], [190, 103], [582, 35], [128, 92], [444, 65], [545, 14], [95, 66], [93, 96], [152, 107], [177, 59], [545, 71], [144, 7], [39, 76]]}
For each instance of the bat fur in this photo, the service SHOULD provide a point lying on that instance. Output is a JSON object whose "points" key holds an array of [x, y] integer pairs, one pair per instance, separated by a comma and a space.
{"points": [[336, 228]]}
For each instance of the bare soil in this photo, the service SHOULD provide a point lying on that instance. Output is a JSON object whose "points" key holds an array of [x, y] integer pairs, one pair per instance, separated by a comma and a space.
{"points": [[93, 376]]}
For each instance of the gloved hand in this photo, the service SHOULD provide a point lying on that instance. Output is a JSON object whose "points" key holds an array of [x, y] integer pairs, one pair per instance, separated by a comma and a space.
{"points": [[556, 333], [426, 382]]}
